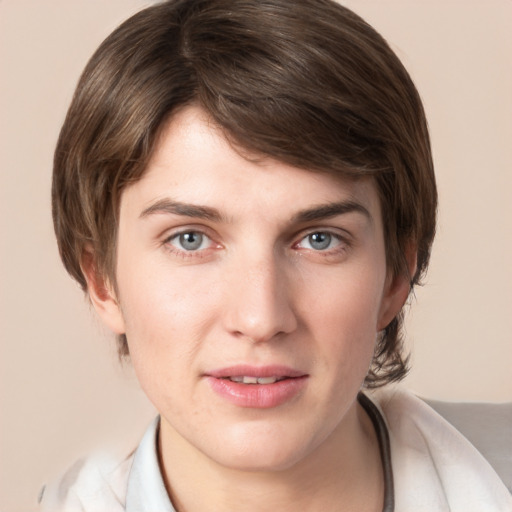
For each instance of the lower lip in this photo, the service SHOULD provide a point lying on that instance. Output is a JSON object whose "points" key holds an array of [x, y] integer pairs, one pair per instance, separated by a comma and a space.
{"points": [[258, 396]]}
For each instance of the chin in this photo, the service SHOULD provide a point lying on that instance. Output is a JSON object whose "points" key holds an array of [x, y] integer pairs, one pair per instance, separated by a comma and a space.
{"points": [[260, 461], [258, 450]]}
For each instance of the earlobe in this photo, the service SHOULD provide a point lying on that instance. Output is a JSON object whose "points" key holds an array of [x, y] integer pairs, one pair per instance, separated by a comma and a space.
{"points": [[396, 291], [102, 294]]}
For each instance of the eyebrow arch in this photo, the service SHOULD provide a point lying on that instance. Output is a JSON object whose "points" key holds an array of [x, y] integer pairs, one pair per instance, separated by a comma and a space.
{"points": [[169, 206], [330, 210], [177, 208]]}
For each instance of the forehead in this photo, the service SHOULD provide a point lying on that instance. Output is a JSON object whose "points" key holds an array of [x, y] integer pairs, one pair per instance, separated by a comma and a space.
{"points": [[194, 162]]}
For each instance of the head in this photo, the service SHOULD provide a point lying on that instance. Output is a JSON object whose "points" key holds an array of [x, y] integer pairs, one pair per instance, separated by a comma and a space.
{"points": [[306, 83]]}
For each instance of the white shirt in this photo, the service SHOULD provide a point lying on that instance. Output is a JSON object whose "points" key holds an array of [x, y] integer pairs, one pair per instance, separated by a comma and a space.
{"points": [[435, 469]]}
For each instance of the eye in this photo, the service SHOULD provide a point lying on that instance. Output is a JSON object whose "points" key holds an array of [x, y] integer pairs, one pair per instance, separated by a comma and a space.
{"points": [[320, 241], [190, 241]]}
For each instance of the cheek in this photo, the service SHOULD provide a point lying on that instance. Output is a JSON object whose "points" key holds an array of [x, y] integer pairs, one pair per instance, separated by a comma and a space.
{"points": [[169, 313], [347, 298], [164, 327], [343, 319], [156, 296], [165, 312]]}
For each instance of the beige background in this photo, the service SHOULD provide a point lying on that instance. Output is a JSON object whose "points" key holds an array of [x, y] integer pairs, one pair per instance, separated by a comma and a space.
{"points": [[62, 391]]}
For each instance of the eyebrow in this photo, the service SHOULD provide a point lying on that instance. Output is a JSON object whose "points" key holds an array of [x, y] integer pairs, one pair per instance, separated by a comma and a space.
{"points": [[185, 209], [326, 211]]}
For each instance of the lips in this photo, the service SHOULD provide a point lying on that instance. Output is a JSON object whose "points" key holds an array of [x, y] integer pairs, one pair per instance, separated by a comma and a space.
{"points": [[257, 387]]}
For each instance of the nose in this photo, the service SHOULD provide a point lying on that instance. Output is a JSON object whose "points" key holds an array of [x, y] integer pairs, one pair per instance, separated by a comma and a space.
{"points": [[260, 305]]}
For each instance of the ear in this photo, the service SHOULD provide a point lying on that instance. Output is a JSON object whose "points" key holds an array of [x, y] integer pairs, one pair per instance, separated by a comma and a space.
{"points": [[396, 291], [102, 294]]}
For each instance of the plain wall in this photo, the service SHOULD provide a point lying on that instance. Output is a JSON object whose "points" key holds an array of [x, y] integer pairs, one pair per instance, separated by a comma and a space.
{"points": [[63, 392]]}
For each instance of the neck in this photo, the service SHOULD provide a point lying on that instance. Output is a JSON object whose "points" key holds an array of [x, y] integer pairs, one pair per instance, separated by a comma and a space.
{"points": [[344, 473]]}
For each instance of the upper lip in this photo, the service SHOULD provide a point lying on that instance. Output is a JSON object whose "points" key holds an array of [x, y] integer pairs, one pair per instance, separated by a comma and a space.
{"points": [[255, 371]]}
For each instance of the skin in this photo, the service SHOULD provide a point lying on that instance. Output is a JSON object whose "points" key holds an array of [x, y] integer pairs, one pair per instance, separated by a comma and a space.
{"points": [[266, 285]]}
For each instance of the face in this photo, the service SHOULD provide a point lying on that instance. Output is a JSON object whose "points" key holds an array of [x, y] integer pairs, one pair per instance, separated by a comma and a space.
{"points": [[251, 294]]}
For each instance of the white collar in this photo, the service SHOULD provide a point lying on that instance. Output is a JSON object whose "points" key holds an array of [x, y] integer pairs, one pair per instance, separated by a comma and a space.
{"points": [[435, 467], [146, 489]]}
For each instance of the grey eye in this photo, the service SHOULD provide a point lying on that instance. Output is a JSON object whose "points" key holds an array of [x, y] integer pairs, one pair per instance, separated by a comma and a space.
{"points": [[191, 241], [319, 241]]}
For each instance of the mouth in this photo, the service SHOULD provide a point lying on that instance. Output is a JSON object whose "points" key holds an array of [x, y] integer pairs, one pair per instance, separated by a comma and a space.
{"points": [[257, 387]]}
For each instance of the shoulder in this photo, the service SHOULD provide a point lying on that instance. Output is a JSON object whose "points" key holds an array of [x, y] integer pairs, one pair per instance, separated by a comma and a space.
{"points": [[434, 463], [104, 482], [94, 484], [487, 426]]}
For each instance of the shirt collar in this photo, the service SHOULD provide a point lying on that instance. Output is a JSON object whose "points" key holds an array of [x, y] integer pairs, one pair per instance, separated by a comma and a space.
{"points": [[146, 489]]}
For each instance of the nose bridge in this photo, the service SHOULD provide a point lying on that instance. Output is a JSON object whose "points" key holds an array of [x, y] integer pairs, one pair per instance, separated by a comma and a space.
{"points": [[260, 305]]}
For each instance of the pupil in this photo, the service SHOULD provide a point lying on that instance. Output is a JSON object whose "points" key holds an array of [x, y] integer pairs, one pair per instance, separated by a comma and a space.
{"points": [[191, 241], [320, 240]]}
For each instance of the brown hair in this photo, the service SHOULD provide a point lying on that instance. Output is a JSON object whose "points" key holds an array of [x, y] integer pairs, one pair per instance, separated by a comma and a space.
{"points": [[306, 82]]}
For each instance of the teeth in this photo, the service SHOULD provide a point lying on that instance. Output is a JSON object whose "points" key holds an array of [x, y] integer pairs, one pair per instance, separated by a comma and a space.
{"points": [[267, 380], [254, 380]]}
